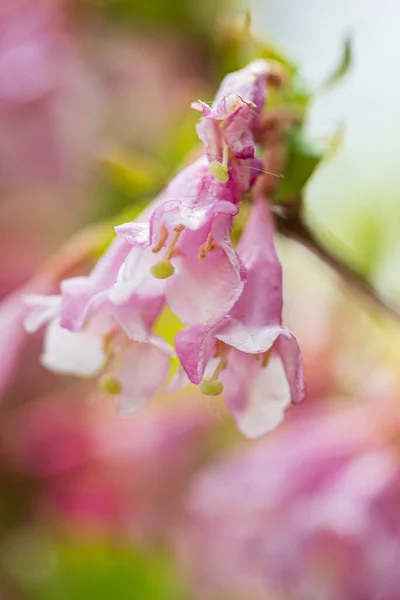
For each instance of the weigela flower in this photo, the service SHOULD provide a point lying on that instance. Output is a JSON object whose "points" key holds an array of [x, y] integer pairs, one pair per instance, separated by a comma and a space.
{"points": [[193, 222], [227, 128], [256, 360], [93, 331]]}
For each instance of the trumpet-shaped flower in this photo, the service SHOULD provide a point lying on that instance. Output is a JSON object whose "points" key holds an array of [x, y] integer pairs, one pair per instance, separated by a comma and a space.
{"points": [[89, 334], [256, 360], [228, 127]]}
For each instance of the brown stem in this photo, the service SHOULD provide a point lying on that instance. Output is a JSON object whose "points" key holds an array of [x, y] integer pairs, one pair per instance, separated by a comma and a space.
{"points": [[292, 226]]}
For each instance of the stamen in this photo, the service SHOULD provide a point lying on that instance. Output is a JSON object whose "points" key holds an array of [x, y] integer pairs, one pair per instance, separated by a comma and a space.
{"points": [[110, 384], [177, 232], [163, 235], [220, 349], [266, 358], [209, 245], [213, 387], [164, 268], [219, 170]]}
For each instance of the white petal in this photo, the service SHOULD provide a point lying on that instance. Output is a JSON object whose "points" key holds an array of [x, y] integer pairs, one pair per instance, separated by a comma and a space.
{"points": [[141, 372], [268, 397], [79, 353]]}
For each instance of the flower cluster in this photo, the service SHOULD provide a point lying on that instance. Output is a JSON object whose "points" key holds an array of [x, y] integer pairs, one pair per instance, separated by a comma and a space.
{"points": [[180, 254]]}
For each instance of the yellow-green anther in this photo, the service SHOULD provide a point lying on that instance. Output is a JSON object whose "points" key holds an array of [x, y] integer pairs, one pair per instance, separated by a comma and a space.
{"points": [[219, 171], [163, 269], [110, 385], [211, 387]]}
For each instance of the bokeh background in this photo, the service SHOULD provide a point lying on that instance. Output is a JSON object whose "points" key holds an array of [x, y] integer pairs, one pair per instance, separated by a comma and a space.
{"points": [[175, 504]]}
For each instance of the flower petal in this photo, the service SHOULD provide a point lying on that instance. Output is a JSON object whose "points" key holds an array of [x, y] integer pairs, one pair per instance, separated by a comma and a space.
{"points": [[39, 310], [203, 291], [69, 353], [178, 381], [134, 278], [252, 340], [141, 372], [137, 317], [194, 347], [290, 353], [136, 234], [82, 296], [239, 102], [262, 299], [257, 396]]}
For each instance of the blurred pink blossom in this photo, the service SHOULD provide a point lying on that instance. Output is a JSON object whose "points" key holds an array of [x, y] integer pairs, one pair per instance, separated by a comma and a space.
{"points": [[45, 125], [99, 472], [311, 515]]}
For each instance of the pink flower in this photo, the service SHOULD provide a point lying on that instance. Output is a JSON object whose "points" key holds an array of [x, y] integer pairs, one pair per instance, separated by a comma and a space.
{"points": [[227, 129], [88, 334], [257, 391], [44, 91], [312, 514], [31, 49], [12, 336], [93, 470], [193, 221]]}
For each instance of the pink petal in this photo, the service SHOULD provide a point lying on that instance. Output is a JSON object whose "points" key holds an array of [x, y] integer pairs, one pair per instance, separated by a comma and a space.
{"points": [[204, 291], [142, 371], [83, 296], [134, 278], [290, 353], [249, 83], [239, 101], [262, 299], [39, 310], [194, 347], [238, 133], [106, 269], [137, 317], [136, 234], [246, 339]]}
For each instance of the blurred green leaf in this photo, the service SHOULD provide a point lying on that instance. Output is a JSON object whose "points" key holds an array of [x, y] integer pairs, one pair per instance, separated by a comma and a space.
{"points": [[189, 16], [95, 571], [236, 46], [179, 141], [134, 173], [303, 157], [344, 65]]}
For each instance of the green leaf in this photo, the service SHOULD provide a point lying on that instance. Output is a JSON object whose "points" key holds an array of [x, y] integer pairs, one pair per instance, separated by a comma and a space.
{"points": [[303, 157], [344, 65], [92, 571]]}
